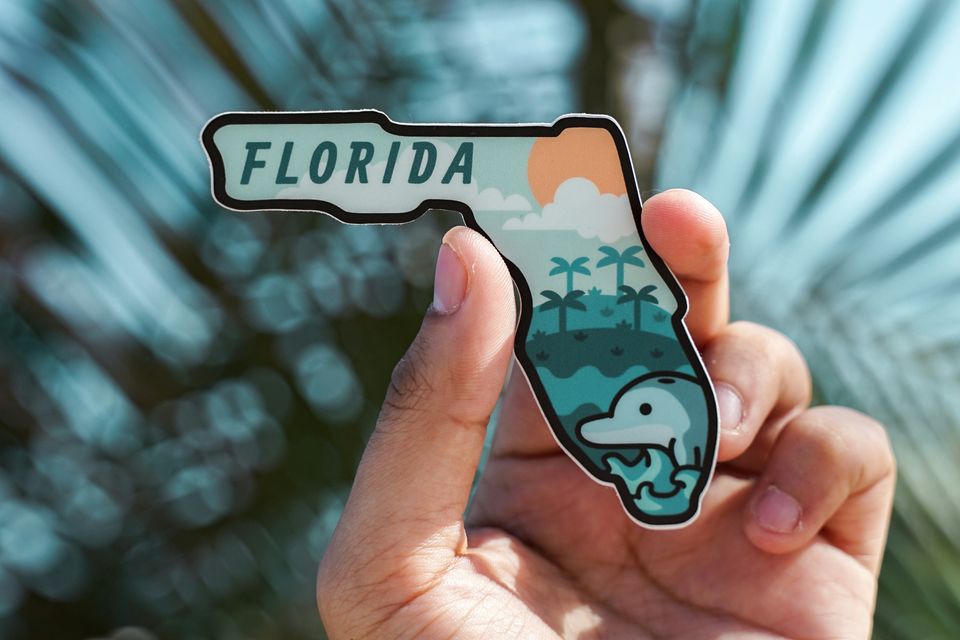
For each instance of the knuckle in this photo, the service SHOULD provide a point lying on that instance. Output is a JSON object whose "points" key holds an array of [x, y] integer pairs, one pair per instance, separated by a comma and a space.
{"points": [[867, 433], [776, 351], [849, 435], [410, 381], [772, 344], [828, 440], [421, 389], [886, 446], [744, 328], [758, 340], [802, 382]]}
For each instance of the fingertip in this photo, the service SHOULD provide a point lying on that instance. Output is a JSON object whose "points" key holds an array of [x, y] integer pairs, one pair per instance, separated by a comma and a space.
{"points": [[484, 264], [478, 334], [461, 234], [760, 380], [688, 232], [734, 439], [774, 521]]}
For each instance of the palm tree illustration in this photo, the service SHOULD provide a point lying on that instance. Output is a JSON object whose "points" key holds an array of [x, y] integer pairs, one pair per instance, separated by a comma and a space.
{"points": [[570, 268], [637, 298], [562, 304], [612, 256]]}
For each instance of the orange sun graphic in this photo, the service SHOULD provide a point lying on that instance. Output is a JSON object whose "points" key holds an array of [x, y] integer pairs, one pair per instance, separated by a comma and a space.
{"points": [[575, 153]]}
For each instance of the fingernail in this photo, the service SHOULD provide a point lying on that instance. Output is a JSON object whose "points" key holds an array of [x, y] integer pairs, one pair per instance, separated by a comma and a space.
{"points": [[777, 511], [729, 406], [450, 281]]}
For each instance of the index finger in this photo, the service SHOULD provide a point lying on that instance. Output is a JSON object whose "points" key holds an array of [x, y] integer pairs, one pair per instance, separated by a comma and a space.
{"points": [[690, 235]]}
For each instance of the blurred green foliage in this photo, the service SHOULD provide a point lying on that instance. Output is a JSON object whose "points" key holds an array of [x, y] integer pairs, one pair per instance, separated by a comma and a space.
{"points": [[185, 392]]}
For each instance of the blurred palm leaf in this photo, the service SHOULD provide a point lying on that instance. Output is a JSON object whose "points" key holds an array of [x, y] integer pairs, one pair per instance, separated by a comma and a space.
{"points": [[184, 392], [834, 151]]}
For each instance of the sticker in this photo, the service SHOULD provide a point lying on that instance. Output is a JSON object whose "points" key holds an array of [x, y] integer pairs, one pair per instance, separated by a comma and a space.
{"points": [[600, 338]]}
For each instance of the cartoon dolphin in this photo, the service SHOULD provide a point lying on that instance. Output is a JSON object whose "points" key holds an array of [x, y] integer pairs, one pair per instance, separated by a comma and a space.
{"points": [[663, 409]]}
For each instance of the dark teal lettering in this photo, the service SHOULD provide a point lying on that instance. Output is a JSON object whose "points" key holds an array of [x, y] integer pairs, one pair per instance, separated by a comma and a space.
{"points": [[462, 163], [330, 150], [360, 157], [252, 163], [282, 177], [424, 161], [391, 162]]}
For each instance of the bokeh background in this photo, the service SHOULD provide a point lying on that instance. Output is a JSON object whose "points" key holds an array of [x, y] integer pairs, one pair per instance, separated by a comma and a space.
{"points": [[185, 392]]}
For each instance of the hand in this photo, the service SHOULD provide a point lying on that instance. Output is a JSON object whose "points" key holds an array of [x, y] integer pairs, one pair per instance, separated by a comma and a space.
{"points": [[788, 543]]}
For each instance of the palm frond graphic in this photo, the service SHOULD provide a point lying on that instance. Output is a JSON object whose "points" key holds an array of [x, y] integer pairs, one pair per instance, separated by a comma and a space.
{"points": [[137, 318]]}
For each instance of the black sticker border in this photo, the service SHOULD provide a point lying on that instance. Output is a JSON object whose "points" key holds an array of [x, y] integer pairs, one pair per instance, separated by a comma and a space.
{"points": [[373, 116]]}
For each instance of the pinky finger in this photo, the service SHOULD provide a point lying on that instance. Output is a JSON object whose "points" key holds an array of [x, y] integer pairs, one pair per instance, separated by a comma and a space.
{"points": [[831, 470]]}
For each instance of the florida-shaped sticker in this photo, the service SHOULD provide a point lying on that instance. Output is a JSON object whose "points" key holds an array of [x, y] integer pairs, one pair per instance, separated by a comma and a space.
{"points": [[601, 337]]}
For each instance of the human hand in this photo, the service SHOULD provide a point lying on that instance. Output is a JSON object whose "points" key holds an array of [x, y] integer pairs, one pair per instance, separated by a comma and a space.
{"points": [[788, 542]]}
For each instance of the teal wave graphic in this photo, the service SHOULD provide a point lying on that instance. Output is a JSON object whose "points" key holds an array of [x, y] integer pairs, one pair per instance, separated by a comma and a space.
{"points": [[586, 384]]}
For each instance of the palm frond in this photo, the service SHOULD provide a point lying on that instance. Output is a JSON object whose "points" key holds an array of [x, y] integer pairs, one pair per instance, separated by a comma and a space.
{"points": [[612, 256], [860, 190], [125, 293], [554, 300]]}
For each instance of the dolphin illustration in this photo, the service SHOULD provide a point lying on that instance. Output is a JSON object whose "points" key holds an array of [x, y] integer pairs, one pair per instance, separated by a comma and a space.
{"points": [[663, 424], [662, 409]]}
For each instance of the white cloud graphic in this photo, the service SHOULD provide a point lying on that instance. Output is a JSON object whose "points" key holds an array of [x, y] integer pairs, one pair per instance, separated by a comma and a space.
{"points": [[491, 199], [579, 206], [398, 195]]}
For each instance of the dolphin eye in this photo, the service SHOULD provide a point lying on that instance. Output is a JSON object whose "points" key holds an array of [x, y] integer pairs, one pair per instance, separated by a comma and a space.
{"points": [[645, 409]]}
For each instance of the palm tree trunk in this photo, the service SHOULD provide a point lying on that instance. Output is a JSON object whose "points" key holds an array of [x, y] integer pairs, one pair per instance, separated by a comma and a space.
{"points": [[563, 319], [636, 315], [620, 267], [569, 281]]}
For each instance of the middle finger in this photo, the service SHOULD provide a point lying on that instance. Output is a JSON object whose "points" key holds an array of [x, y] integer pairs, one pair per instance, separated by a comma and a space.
{"points": [[761, 381]]}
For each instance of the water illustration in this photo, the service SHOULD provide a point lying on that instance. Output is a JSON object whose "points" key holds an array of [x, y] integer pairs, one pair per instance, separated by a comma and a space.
{"points": [[601, 335]]}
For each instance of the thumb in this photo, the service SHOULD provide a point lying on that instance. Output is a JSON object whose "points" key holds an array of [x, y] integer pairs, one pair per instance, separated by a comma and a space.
{"points": [[414, 479]]}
